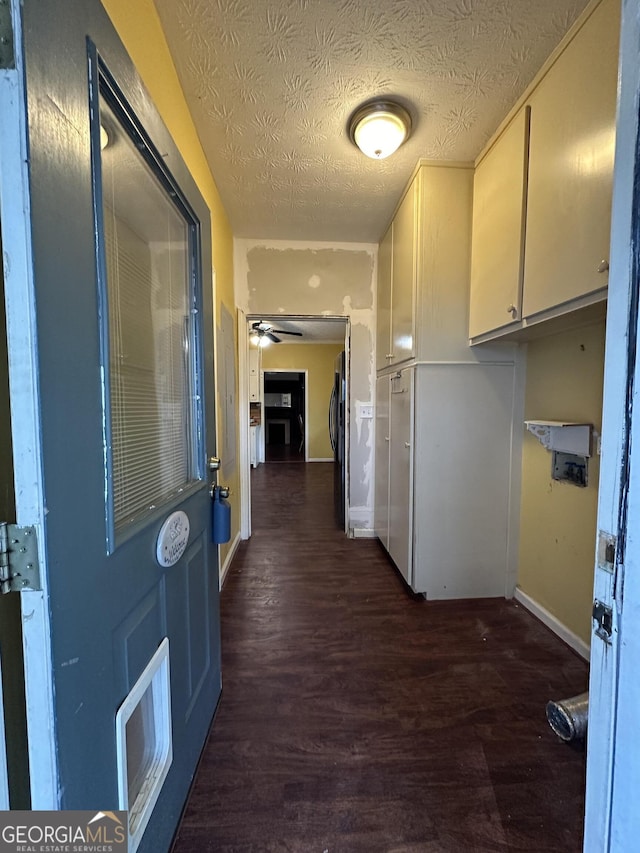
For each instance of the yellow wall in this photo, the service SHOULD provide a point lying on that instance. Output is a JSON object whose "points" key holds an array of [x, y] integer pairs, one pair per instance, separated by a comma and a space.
{"points": [[139, 28], [319, 360], [558, 521]]}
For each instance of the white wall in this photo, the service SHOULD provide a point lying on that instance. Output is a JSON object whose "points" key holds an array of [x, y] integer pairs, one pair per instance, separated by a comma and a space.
{"points": [[324, 280]]}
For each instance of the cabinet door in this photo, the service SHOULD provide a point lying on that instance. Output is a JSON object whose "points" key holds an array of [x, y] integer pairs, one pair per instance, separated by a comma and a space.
{"points": [[403, 277], [384, 354], [400, 467], [497, 247], [463, 479], [254, 375], [571, 167], [381, 517]]}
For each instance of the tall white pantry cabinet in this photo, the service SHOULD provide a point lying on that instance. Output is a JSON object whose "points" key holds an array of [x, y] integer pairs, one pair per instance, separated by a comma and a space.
{"points": [[448, 416]]}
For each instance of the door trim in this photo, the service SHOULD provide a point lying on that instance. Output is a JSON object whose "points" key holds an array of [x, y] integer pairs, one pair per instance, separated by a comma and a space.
{"points": [[25, 406], [243, 408], [243, 420]]}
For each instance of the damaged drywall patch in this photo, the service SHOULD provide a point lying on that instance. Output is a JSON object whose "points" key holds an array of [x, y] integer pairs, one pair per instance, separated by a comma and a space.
{"points": [[308, 281], [362, 376]]}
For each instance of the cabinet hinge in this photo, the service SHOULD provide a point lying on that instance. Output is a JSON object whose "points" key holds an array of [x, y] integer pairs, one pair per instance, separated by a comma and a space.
{"points": [[19, 567], [7, 58]]}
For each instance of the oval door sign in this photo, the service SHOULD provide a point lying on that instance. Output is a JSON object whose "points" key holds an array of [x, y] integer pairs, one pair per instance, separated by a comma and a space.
{"points": [[172, 539]]}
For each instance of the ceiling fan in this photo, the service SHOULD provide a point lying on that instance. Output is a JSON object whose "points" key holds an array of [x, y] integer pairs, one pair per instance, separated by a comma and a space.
{"points": [[263, 333]]}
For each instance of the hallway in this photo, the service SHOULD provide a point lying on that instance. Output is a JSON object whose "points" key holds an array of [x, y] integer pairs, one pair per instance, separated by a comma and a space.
{"points": [[355, 717]]}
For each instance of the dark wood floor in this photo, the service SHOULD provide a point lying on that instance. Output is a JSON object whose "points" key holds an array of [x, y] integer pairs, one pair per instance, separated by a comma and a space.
{"points": [[357, 718], [284, 453]]}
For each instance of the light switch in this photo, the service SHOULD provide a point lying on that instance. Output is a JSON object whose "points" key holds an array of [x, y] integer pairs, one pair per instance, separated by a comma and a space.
{"points": [[365, 410]]}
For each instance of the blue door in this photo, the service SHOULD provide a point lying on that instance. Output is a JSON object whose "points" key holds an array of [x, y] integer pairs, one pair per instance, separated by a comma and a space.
{"points": [[108, 268]]}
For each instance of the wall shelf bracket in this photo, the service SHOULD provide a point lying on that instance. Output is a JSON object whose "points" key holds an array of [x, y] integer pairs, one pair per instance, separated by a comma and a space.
{"points": [[563, 436]]}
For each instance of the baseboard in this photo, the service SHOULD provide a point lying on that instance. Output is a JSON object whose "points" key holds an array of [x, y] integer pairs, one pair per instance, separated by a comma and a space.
{"points": [[320, 459], [230, 555], [362, 533], [552, 622]]}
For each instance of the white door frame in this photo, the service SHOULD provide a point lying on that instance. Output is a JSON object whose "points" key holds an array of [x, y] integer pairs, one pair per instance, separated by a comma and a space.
{"points": [[243, 409], [612, 819], [244, 451], [25, 408], [263, 432], [347, 424]]}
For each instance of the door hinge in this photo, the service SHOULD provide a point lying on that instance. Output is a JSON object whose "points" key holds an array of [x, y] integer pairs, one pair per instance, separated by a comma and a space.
{"points": [[19, 567], [602, 615], [7, 57]]}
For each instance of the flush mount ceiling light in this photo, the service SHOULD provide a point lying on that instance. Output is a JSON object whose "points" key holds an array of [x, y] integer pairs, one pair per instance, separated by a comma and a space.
{"points": [[379, 128]]}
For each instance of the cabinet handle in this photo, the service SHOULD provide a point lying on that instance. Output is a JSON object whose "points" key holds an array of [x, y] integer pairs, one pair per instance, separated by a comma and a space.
{"points": [[389, 355], [603, 266], [513, 311], [386, 438], [406, 444]]}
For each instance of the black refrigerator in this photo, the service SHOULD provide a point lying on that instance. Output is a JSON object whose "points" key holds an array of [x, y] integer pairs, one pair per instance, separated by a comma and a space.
{"points": [[337, 427]]}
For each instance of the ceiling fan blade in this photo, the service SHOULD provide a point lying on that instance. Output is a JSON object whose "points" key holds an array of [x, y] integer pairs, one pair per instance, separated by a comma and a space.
{"points": [[283, 332], [272, 337]]}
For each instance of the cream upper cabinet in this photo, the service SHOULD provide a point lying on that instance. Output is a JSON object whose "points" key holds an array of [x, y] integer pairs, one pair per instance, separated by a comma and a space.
{"points": [[424, 265], [384, 355], [403, 277], [497, 246], [571, 167]]}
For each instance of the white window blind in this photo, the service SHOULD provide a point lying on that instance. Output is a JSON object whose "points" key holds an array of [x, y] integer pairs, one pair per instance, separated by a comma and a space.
{"points": [[150, 377]]}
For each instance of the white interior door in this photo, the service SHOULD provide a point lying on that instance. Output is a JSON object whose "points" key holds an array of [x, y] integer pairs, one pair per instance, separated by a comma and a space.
{"points": [[612, 821]]}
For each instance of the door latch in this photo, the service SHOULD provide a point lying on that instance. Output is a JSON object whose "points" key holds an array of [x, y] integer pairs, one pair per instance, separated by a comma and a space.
{"points": [[19, 568], [603, 617], [606, 551]]}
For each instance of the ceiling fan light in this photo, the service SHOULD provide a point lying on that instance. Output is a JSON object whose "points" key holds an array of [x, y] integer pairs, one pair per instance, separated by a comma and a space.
{"points": [[255, 339], [264, 341], [380, 128]]}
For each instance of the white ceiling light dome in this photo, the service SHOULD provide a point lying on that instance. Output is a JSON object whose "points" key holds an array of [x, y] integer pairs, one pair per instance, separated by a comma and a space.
{"points": [[379, 128]]}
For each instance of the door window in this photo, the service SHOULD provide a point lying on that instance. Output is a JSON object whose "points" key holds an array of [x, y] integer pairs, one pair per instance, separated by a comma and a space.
{"points": [[148, 294]]}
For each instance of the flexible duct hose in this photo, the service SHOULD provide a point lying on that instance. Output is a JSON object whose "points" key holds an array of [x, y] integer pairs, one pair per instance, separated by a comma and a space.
{"points": [[568, 717]]}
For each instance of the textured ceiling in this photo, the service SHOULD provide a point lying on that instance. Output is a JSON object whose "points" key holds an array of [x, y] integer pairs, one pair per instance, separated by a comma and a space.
{"points": [[271, 86], [313, 331]]}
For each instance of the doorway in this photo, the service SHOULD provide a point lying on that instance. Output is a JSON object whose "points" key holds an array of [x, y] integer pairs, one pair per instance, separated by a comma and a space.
{"points": [[285, 415], [306, 346]]}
